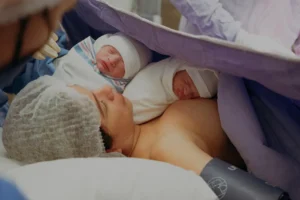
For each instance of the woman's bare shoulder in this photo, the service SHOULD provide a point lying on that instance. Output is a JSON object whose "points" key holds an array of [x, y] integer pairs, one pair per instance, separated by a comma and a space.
{"points": [[191, 110], [198, 119]]}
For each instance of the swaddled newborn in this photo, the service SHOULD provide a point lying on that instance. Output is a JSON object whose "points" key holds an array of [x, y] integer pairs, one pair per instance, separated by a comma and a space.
{"points": [[113, 59], [48, 120], [162, 83]]}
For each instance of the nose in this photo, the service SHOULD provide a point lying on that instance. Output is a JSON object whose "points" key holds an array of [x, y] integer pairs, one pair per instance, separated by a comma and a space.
{"points": [[105, 93], [187, 93], [114, 59]]}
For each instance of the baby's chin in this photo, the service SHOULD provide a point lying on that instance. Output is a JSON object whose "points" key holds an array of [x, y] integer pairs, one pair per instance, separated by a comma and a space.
{"points": [[189, 98], [184, 98], [178, 95], [104, 72], [112, 75]]}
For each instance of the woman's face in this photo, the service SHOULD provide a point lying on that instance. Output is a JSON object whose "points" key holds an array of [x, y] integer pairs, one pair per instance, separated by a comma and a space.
{"points": [[115, 110], [110, 62]]}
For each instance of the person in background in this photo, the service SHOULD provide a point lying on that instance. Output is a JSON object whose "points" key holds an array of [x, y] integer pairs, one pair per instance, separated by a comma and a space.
{"points": [[25, 31], [202, 17]]}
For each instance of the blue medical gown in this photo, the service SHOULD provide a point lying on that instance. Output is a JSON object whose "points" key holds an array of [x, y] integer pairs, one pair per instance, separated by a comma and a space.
{"points": [[8, 191], [17, 78]]}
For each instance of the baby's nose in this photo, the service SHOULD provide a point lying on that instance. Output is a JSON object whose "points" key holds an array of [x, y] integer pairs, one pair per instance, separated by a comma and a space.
{"points": [[187, 93], [114, 59]]}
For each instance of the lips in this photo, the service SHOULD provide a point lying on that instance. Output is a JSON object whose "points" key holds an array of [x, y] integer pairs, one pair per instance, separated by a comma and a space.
{"points": [[104, 66], [181, 94]]}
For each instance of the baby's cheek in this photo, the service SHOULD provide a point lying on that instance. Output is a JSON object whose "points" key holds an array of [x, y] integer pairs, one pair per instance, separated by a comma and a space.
{"points": [[119, 71], [195, 93], [176, 82], [98, 55]]}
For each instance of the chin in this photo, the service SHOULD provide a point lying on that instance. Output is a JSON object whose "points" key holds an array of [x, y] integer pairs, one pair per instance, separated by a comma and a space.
{"points": [[182, 98], [102, 71]]}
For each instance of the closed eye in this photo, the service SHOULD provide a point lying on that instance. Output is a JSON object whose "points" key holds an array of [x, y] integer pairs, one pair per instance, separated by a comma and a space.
{"points": [[187, 82], [111, 50], [103, 107]]}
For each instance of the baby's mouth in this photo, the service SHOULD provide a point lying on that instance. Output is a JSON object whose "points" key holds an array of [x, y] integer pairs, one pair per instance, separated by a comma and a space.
{"points": [[104, 66], [179, 93], [182, 94]]}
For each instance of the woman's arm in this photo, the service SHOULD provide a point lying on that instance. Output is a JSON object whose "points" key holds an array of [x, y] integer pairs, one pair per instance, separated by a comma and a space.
{"points": [[180, 151]]}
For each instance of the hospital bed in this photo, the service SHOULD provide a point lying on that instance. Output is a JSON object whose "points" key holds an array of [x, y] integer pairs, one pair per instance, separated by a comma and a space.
{"points": [[95, 179], [94, 18]]}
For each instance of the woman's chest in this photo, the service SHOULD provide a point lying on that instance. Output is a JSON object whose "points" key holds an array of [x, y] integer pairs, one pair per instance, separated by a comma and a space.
{"points": [[174, 137]]}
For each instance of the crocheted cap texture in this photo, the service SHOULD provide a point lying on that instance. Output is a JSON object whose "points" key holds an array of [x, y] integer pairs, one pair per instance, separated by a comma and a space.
{"points": [[48, 120]]}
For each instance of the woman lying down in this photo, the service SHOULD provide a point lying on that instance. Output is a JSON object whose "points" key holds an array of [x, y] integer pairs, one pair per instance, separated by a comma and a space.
{"points": [[49, 120]]}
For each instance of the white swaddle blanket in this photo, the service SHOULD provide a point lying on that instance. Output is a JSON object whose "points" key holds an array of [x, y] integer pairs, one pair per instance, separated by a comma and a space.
{"points": [[151, 91]]}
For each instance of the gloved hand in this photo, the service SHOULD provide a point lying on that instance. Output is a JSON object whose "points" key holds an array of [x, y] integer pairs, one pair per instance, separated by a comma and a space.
{"points": [[262, 43], [51, 49]]}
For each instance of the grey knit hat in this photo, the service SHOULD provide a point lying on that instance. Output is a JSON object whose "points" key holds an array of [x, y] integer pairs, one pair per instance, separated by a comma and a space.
{"points": [[48, 120]]}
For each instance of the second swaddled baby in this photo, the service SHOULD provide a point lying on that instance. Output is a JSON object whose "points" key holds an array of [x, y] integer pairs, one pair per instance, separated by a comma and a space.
{"points": [[160, 84]]}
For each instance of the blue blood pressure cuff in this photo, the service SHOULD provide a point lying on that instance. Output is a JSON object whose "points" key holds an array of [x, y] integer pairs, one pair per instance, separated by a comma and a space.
{"points": [[231, 183]]}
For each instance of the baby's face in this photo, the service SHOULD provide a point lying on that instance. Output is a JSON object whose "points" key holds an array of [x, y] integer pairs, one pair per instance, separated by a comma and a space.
{"points": [[110, 62], [183, 86]]}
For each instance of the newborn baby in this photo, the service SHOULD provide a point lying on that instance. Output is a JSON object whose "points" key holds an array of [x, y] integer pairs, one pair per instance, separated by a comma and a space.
{"points": [[162, 83], [113, 59]]}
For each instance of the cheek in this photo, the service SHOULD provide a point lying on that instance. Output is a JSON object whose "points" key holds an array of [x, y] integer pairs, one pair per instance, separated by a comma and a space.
{"points": [[109, 127], [195, 91], [176, 83], [119, 71], [115, 126], [100, 55]]}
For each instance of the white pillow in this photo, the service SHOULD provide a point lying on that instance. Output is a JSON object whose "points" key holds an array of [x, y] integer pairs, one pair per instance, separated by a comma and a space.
{"points": [[109, 179]]}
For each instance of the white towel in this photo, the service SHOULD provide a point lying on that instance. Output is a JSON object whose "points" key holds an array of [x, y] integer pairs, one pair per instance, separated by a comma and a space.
{"points": [[151, 91]]}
